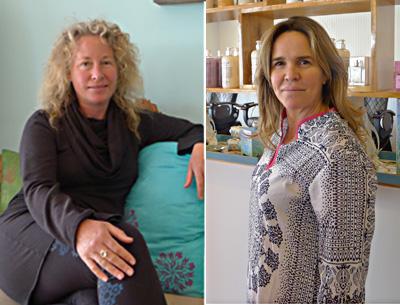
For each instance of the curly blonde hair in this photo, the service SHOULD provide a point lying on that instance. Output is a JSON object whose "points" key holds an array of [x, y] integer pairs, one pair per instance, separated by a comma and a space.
{"points": [[334, 92], [57, 91]]}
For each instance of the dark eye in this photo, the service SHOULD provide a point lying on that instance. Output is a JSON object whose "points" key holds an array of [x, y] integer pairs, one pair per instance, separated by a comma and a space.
{"points": [[278, 63], [84, 64], [304, 62]]}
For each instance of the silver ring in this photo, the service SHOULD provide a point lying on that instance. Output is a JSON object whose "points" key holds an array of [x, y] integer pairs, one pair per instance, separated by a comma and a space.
{"points": [[103, 253]]}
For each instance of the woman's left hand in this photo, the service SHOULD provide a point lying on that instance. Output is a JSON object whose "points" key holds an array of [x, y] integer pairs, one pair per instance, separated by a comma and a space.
{"points": [[196, 168]]}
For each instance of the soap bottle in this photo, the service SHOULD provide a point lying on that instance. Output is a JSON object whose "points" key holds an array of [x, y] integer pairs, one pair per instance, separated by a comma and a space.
{"points": [[343, 53], [211, 70], [254, 60], [397, 76], [219, 69], [230, 68]]}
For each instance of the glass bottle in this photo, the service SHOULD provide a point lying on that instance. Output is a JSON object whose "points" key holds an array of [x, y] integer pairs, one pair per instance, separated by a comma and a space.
{"points": [[254, 60], [343, 53], [213, 70]]}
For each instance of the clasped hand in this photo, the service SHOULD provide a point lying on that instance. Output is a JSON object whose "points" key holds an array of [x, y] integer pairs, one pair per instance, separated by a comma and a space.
{"points": [[97, 245], [196, 169]]}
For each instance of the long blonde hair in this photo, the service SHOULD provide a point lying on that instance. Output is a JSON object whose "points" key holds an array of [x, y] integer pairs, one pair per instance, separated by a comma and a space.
{"points": [[57, 91], [334, 92]]}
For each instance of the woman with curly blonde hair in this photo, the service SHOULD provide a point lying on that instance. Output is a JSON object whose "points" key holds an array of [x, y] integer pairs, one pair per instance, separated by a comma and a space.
{"points": [[62, 239], [313, 190]]}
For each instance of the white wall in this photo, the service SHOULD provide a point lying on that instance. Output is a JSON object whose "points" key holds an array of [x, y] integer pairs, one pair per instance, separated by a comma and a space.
{"points": [[353, 28], [228, 190], [169, 37]]}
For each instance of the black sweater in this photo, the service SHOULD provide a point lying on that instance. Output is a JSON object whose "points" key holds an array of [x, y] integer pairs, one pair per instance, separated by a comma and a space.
{"points": [[76, 172]]}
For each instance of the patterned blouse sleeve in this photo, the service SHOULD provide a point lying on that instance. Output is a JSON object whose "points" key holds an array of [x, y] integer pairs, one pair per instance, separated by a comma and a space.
{"points": [[345, 211]]}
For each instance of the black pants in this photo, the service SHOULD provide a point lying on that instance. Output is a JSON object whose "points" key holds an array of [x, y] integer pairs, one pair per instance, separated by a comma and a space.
{"points": [[65, 279]]}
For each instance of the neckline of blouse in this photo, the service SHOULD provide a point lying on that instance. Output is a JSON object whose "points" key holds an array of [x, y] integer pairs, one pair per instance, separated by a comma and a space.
{"points": [[284, 122]]}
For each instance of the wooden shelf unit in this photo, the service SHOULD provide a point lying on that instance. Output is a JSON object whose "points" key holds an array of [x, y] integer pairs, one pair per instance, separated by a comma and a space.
{"points": [[232, 12], [351, 93], [256, 18], [235, 90]]}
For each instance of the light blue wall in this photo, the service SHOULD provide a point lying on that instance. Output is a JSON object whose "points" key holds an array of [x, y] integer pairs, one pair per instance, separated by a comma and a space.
{"points": [[170, 40]]}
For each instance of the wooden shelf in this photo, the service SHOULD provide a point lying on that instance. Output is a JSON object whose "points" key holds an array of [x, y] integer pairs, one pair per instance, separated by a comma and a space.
{"points": [[234, 90], [385, 94], [310, 8], [256, 18], [278, 9], [232, 12]]}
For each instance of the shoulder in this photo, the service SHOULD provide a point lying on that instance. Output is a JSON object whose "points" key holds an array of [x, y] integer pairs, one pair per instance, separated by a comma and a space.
{"points": [[332, 135], [39, 116], [38, 123]]}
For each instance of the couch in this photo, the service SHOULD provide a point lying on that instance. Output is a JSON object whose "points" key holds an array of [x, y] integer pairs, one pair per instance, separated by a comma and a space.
{"points": [[157, 155]]}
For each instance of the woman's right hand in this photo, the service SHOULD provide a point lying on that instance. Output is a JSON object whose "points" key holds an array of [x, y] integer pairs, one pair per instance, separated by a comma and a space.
{"points": [[97, 245]]}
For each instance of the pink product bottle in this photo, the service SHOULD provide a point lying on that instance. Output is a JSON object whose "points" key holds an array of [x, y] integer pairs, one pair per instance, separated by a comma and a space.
{"points": [[219, 69], [212, 71], [397, 75]]}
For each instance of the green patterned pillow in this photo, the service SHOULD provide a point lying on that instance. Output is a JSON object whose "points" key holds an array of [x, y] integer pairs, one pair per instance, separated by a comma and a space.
{"points": [[1, 173], [11, 182]]}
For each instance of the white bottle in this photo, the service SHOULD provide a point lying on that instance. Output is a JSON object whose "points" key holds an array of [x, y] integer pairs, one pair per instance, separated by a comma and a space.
{"points": [[254, 60], [230, 69], [343, 53]]}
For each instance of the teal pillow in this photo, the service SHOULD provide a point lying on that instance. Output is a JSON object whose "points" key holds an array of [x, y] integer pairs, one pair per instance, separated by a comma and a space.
{"points": [[170, 217]]}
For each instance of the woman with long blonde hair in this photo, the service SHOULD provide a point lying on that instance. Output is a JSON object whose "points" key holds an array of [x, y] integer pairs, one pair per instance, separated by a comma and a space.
{"points": [[313, 190], [62, 239]]}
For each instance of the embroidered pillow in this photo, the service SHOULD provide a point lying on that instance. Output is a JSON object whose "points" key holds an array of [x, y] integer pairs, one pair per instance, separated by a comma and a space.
{"points": [[11, 180], [1, 176], [170, 217]]}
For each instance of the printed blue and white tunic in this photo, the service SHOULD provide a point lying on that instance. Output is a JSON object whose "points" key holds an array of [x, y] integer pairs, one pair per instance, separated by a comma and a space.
{"points": [[312, 216]]}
